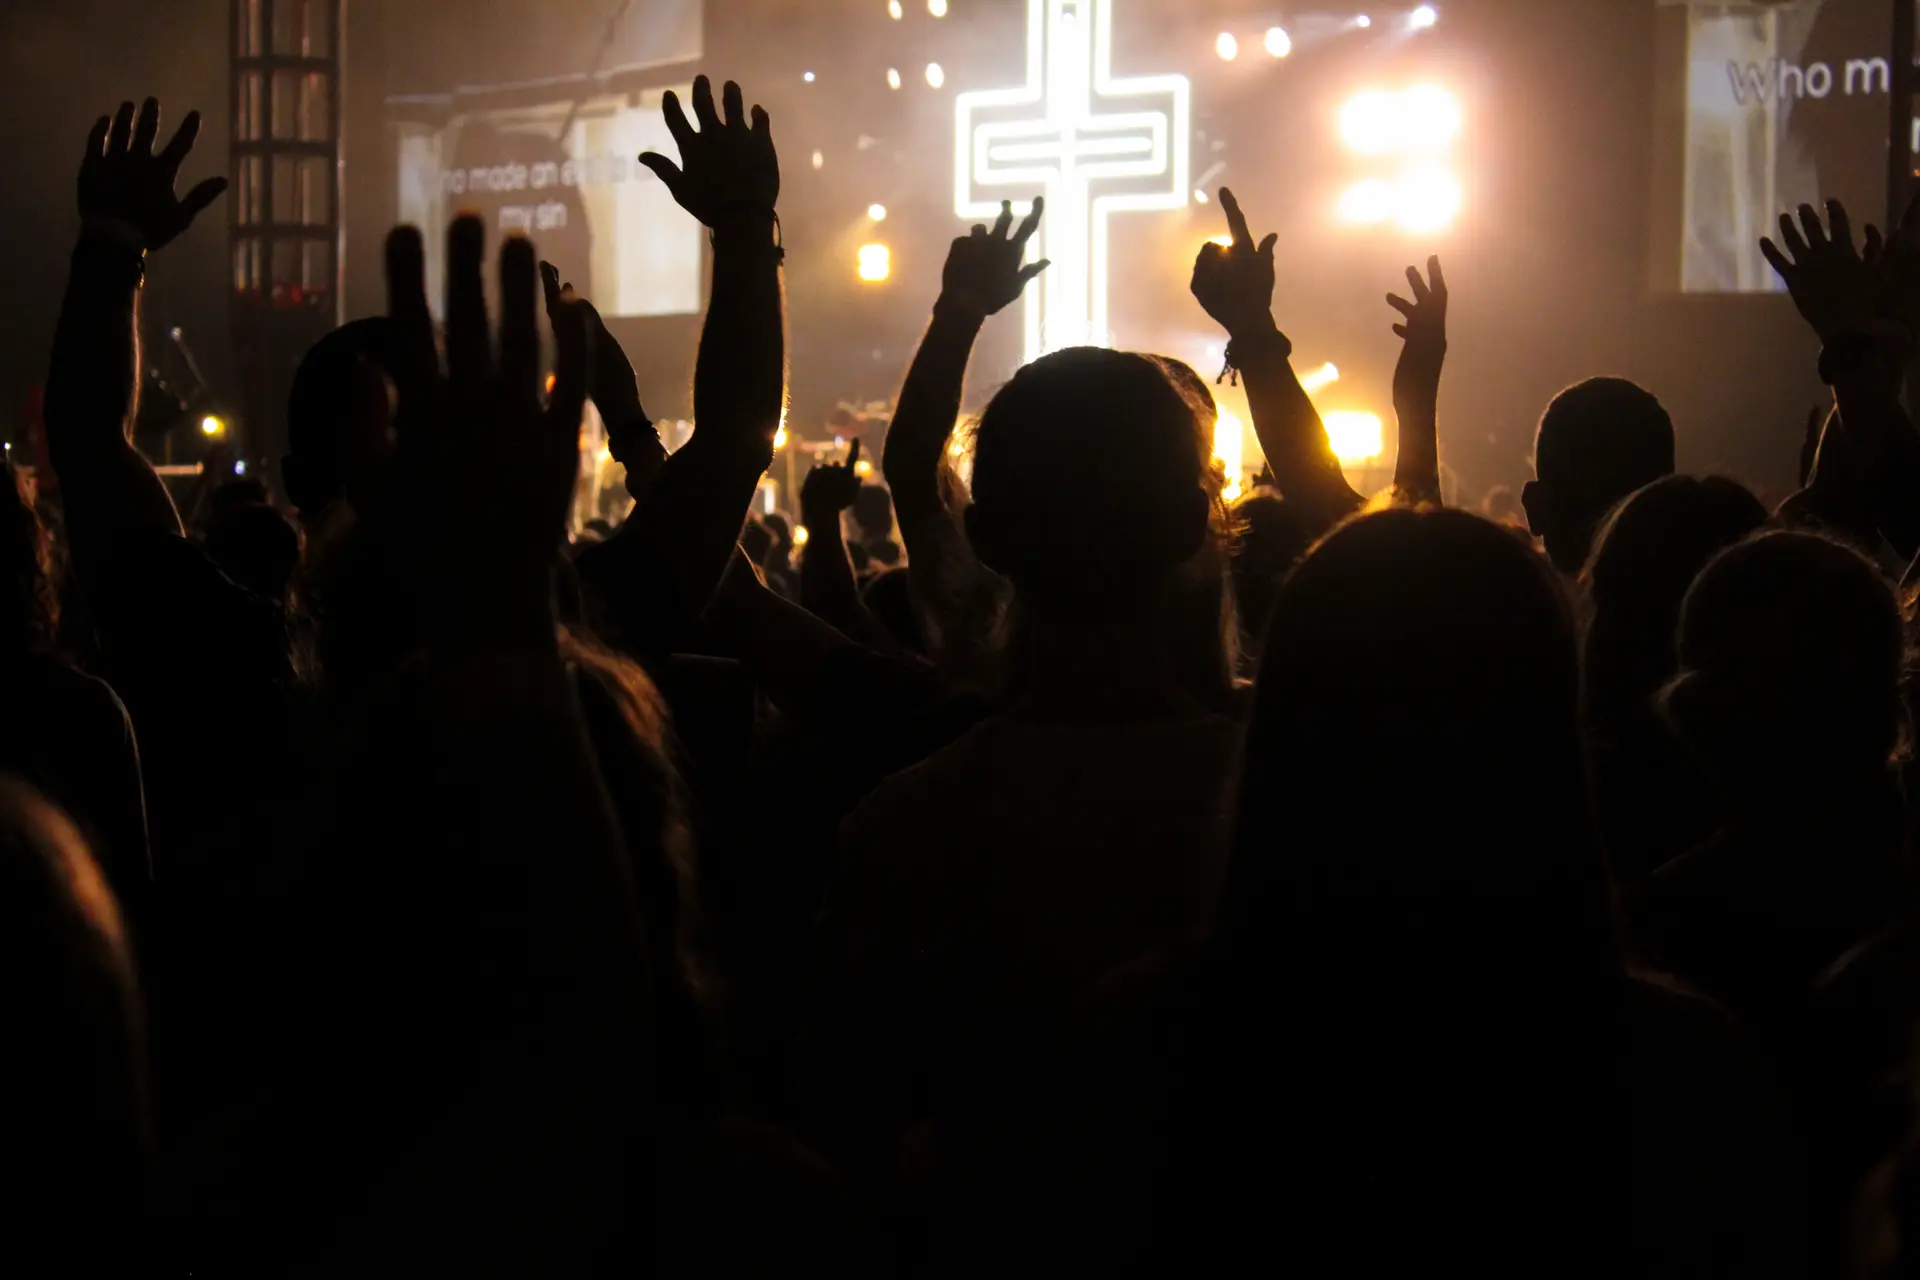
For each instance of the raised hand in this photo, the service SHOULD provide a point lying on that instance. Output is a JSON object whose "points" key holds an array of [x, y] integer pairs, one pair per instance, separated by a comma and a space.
{"points": [[123, 180], [497, 468], [727, 166], [1424, 333], [1235, 283], [1835, 289], [830, 488], [985, 270], [611, 384]]}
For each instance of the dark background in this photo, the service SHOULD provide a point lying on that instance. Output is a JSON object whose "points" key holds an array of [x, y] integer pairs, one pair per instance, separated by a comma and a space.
{"points": [[1551, 263]]}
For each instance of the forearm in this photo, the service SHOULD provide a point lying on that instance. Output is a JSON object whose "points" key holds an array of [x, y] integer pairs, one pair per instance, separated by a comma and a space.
{"points": [[1416, 473], [924, 421], [785, 647], [1289, 428], [828, 588], [92, 393], [695, 507], [1887, 449]]}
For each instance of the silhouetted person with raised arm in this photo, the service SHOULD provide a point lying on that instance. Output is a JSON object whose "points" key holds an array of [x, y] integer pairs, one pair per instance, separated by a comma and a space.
{"points": [[976, 895], [1654, 804], [1789, 693], [75, 1137], [1414, 1035], [1598, 441]]}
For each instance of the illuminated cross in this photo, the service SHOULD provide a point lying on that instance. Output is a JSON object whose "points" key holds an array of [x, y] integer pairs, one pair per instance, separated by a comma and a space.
{"points": [[1087, 162]]}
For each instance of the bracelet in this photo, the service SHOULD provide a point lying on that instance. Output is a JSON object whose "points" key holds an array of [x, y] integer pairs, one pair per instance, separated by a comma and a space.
{"points": [[1236, 349]]}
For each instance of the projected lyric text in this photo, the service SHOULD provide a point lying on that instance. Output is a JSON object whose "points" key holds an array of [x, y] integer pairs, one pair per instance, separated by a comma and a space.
{"points": [[534, 214]]}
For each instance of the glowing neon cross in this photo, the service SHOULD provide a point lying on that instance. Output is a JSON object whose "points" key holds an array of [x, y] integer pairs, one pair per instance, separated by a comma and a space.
{"points": [[1138, 158]]}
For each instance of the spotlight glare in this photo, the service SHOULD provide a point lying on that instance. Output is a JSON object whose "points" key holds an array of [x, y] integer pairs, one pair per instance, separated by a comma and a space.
{"points": [[211, 426], [1428, 201], [1320, 379], [863, 468], [800, 535], [1363, 22], [1431, 118], [1224, 240], [893, 77], [807, 76], [1368, 123], [780, 438], [1366, 204], [936, 74], [1423, 17], [1199, 196], [1279, 43], [877, 212], [819, 160], [1227, 47], [938, 8], [876, 263], [895, 11], [1229, 445], [1355, 437]]}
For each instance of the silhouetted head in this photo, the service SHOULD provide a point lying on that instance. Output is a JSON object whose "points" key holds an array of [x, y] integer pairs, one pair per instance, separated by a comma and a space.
{"points": [[241, 491], [1088, 482], [1598, 442], [1414, 788], [873, 512], [29, 599], [257, 547], [1790, 660], [1645, 556], [339, 418], [73, 1122]]}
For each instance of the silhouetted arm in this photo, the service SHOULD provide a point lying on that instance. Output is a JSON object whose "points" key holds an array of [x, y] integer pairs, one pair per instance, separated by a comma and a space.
{"points": [[985, 272], [1235, 285], [690, 518], [1416, 385], [127, 207], [1866, 394], [828, 586]]}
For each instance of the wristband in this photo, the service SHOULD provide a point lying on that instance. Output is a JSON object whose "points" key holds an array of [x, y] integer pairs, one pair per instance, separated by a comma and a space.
{"points": [[1240, 348], [756, 210]]}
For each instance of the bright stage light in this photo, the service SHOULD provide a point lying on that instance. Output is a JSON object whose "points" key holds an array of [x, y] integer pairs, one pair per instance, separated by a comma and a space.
{"points": [[895, 11], [863, 468], [1227, 47], [936, 74], [1094, 143], [800, 535], [1363, 22], [1320, 379], [1224, 240], [807, 76], [780, 438], [938, 8], [819, 160], [1355, 437], [876, 262], [211, 426], [1423, 17], [1367, 204], [877, 212], [1199, 196], [1428, 200], [893, 77], [1279, 43], [1229, 445], [1430, 117], [1422, 119]]}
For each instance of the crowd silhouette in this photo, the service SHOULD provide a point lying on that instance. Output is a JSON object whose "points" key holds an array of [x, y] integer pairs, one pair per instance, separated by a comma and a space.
{"points": [[1056, 868]]}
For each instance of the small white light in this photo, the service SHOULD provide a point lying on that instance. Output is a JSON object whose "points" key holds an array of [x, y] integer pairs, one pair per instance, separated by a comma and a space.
{"points": [[1279, 43], [819, 160], [1199, 196], [894, 10], [211, 426], [1355, 437], [876, 263], [877, 212], [239, 466], [1227, 47], [893, 77], [936, 74], [1423, 17], [938, 8], [1363, 22], [807, 76]]}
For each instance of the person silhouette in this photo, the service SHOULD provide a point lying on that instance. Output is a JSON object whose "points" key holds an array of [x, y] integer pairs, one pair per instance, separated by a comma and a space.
{"points": [[975, 896], [1598, 441]]}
